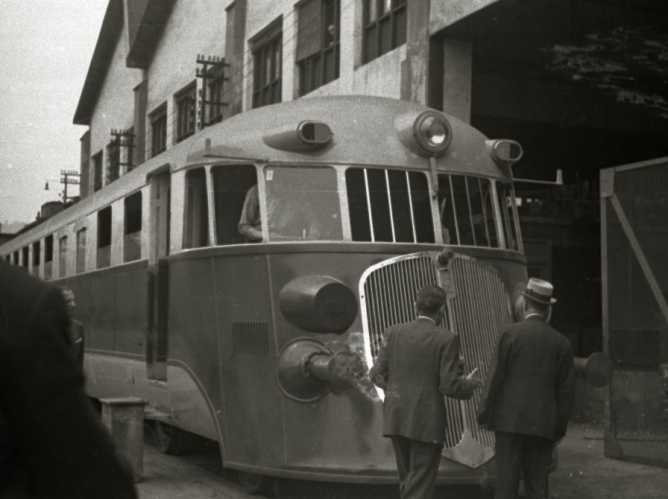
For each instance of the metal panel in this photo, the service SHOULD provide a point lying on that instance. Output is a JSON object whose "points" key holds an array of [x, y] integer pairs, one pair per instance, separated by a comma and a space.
{"points": [[478, 308], [635, 313]]}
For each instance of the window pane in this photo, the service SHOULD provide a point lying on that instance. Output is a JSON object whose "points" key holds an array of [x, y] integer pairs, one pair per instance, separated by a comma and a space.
{"points": [[420, 196], [372, 12], [62, 257], [357, 204], [132, 229], [401, 207], [196, 233], [371, 44], [506, 196], [302, 204], [81, 251], [446, 209], [399, 28], [380, 209], [385, 27], [237, 213]]}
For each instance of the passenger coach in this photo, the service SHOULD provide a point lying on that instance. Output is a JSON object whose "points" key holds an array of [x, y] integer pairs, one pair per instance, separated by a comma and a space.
{"points": [[259, 334]]}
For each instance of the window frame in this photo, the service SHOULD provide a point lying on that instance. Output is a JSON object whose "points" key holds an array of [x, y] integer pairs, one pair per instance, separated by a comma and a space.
{"points": [[62, 256], [372, 28], [308, 65], [185, 109], [132, 251], [269, 41], [158, 121], [98, 180]]}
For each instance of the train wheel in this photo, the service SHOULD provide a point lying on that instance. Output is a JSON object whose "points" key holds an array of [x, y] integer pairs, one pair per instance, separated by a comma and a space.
{"points": [[258, 484], [167, 438]]}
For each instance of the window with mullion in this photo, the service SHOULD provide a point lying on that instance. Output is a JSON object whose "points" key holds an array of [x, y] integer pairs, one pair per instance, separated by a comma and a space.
{"points": [[159, 131], [185, 113], [318, 44], [384, 27], [267, 72]]}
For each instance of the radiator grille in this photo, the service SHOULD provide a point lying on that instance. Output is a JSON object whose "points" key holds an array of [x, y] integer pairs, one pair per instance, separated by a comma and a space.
{"points": [[478, 308], [250, 337]]}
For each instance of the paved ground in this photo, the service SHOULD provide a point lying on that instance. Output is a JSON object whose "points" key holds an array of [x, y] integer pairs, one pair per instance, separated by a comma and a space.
{"points": [[584, 473]]}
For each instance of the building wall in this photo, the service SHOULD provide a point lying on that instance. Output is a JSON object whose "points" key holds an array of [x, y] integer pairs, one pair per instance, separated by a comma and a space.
{"points": [[115, 104], [194, 27]]}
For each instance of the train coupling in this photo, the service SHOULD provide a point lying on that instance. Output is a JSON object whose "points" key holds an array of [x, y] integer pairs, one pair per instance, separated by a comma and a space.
{"points": [[309, 370]]}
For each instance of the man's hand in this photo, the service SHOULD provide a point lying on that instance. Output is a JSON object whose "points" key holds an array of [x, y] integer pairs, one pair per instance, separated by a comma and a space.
{"points": [[475, 383]]}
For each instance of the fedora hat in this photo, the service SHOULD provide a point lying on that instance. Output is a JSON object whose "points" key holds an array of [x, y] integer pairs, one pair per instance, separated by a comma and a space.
{"points": [[539, 291]]}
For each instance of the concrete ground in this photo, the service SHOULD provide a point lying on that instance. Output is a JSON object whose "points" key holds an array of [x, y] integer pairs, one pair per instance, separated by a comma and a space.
{"points": [[583, 473]]}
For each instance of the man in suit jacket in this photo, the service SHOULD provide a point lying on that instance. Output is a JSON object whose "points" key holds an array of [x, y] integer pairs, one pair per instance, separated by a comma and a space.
{"points": [[53, 442], [528, 396], [75, 329], [418, 363]]}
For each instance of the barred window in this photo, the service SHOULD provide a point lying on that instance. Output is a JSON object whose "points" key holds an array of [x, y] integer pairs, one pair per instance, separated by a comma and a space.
{"points": [[466, 208], [267, 55], [318, 44], [389, 206], [185, 112], [158, 120], [97, 171], [384, 27]]}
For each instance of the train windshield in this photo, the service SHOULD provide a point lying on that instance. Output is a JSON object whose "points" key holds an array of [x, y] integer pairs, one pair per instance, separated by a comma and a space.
{"points": [[389, 206], [467, 214], [302, 204]]}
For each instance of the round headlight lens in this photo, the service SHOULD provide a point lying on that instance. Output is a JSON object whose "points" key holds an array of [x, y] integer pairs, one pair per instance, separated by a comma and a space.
{"points": [[432, 132]]}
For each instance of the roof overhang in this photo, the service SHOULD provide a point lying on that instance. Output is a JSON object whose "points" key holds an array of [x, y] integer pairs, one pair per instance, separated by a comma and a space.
{"points": [[147, 34], [112, 26]]}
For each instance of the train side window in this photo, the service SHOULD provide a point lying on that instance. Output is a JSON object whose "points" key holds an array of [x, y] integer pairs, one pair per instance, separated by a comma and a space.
{"points": [[26, 254], [81, 251], [104, 238], [303, 204], [132, 228], [16, 258], [230, 185], [506, 195], [36, 256], [196, 230], [48, 257], [466, 211], [62, 256], [389, 206]]}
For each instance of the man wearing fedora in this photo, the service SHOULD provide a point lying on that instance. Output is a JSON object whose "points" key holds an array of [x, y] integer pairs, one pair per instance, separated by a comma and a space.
{"points": [[528, 395]]}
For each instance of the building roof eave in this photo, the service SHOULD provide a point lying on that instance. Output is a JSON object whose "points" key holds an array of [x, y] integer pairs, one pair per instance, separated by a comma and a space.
{"points": [[112, 27], [149, 32]]}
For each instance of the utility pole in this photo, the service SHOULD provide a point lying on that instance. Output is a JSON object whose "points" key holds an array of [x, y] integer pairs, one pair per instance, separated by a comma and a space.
{"points": [[68, 177]]}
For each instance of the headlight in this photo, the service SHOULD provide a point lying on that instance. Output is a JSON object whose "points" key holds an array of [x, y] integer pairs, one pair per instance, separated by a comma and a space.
{"points": [[432, 132]]}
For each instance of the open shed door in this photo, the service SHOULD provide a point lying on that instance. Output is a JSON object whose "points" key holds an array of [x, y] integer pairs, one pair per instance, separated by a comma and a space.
{"points": [[634, 241]]}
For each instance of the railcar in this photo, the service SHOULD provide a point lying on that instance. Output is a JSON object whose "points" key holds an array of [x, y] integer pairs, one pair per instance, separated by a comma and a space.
{"points": [[263, 344]]}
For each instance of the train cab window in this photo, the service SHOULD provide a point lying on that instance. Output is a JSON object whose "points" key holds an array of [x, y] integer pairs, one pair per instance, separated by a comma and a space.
{"points": [[506, 196], [81, 251], [24, 257], [36, 257], [62, 256], [104, 238], [302, 204], [466, 210], [132, 228], [231, 184], [389, 206], [48, 257], [196, 227]]}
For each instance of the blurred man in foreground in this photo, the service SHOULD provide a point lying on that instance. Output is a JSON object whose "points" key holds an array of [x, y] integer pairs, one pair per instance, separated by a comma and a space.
{"points": [[52, 444]]}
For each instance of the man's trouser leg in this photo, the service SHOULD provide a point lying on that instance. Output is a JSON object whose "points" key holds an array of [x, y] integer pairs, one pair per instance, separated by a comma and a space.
{"points": [[419, 465], [536, 458], [508, 464]]}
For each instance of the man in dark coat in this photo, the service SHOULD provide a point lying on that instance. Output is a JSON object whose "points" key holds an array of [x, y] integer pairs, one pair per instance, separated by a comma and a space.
{"points": [[75, 329], [528, 396], [52, 444], [418, 363]]}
